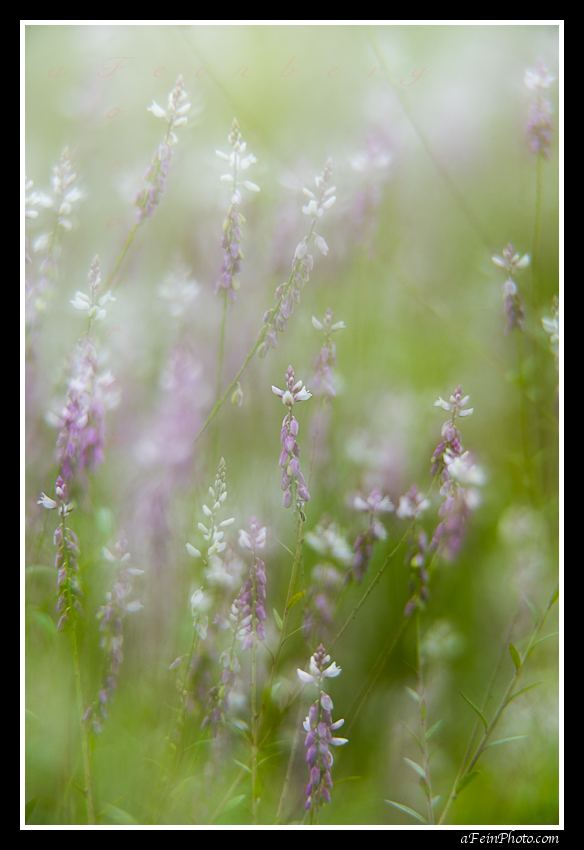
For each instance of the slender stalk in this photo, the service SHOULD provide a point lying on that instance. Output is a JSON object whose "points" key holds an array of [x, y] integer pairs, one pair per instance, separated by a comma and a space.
{"points": [[291, 585], [423, 723], [469, 763], [112, 277], [536, 229], [254, 735], [88, 784], [289, 766], [371, 587], [221, 354]]}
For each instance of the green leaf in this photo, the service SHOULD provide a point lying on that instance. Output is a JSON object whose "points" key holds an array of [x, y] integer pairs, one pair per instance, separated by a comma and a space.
{"points": [[523, 691], [278, 620], [234, 802], [541, 639], [406, 810], [506, 740], [435, 800], [515, 656], [29, 808], [414, 695], [44, 622], [40, 570], [242, 766], [554, 599], [466, 780], [113, 814], [433, 729], [296, 598], [417, 767], [477, 710]]}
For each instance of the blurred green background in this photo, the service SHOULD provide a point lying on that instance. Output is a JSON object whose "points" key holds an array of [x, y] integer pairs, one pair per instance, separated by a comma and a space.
{"points": [[409, 271]]}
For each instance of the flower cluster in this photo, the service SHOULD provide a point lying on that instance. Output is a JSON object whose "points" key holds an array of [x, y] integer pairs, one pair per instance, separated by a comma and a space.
{"points": [[175, 115], [551, 325], [412, 504], [111, 615], [512, 262], [66, 558], [81, 422], [292, 477], [539, 122], [93, 304], [324, 379], [288, 293], [179, 291], [374, 505], [320, 728], [459, 476], [228, 281], [64, 195], [248, 612], [214, 529]]}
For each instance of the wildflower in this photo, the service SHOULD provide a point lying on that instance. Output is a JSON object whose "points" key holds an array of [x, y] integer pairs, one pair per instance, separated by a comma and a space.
{"points": [[239, 160], [459, 477], [320, 728], [412, 504], [551, 325], [46, 246], [93, 304], [292, 477], [324, 381], [288, 293], [374, 504], [417, 560], [81, 422], [175, 115], [67, 554], [111, 615], [539, 123], [512, 262], [326, 583], [179, 292], [328, 540], [248, 612], [213, 529]]}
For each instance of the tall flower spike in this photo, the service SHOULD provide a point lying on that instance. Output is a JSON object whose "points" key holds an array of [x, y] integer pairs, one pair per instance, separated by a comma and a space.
{"points": [[248, 612], [288, 293], [175, 115], [320, 731], [239, 161], [512, 262], [119, 602], [324, 379], [539, 122], [66, 558], [292, 480], [459, 477], [213, 529]]}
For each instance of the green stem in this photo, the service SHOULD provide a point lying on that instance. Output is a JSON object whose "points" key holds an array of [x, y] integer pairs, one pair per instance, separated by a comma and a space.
{"points": [[291, 758], [88, 789], [536, 229], [221, 354], [423, 723], [254, 735], [371, 587], [111, 280], [469, 763]]}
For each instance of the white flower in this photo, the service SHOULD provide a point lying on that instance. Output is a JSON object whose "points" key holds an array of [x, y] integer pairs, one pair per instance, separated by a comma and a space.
{"points": [[46, 502], [538, 78], [463, 470], [320, 669]]}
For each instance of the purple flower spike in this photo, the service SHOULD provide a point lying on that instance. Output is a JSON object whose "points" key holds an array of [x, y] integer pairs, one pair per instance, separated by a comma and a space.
{"points": [[320, 728], [292, 477], [248, 612]]}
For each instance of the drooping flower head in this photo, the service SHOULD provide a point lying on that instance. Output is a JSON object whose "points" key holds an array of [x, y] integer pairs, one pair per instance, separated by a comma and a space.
{"points": [[292, 480]]}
